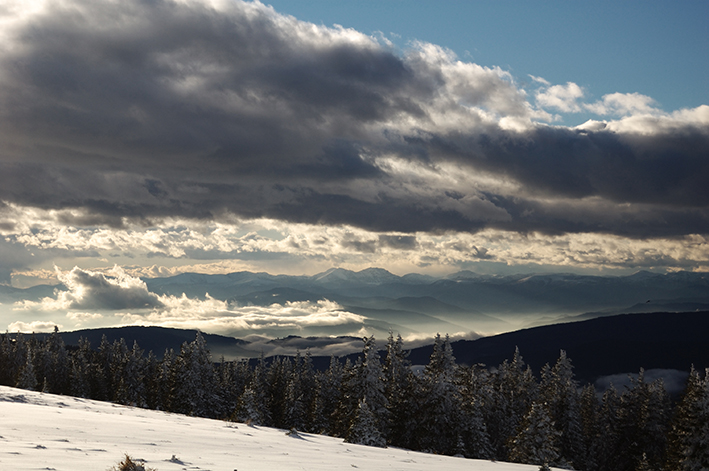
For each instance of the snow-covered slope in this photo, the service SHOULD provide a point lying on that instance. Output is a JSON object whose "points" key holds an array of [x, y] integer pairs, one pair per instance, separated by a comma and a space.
{"points": [[48, 432]]}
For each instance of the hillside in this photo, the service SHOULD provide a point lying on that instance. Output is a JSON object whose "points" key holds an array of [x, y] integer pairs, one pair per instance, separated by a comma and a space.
{"points": [[598, 347], [44, 431], [611, 345]]}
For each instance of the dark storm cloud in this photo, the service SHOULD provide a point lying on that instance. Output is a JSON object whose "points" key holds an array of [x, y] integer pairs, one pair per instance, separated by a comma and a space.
{"points": [[398, 242], [141, 110], [665, 168], [11, 258]]}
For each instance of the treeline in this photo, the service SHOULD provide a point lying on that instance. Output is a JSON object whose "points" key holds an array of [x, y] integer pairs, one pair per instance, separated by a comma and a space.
{"points": [[504, 413]]}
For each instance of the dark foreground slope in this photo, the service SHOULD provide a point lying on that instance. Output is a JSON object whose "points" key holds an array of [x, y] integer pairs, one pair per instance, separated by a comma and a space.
{"points": [[597, 347]]}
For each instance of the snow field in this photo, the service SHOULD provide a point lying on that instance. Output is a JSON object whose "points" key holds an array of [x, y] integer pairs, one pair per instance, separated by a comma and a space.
{"points": [[41, 431]]}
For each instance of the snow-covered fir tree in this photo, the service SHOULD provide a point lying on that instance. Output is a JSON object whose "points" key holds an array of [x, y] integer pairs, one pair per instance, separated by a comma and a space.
{"points": [[400, 390], [688, 448], [328, 396], [365, 428], [27, 378], [535, 443], [514, 389], [474, 390], [440, 426], [53, 365], [365, 383], [560, 392]]}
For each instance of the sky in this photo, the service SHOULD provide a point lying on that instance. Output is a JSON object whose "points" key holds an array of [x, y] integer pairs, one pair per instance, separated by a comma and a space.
{"points": [[215, 136]]}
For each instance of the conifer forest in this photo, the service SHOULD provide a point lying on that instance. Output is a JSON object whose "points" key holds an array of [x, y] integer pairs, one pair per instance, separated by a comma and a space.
{"points": [[507, 412]]}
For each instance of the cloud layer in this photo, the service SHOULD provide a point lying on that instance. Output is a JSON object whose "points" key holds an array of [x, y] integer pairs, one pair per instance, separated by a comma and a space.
{"points": [[94, 299], [120, 113]]}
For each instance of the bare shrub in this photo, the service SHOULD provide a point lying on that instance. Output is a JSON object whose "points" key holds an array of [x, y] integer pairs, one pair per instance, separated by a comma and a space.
{"points": [[129, 465]]}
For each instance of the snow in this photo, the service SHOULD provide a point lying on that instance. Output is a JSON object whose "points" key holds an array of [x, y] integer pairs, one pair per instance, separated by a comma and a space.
{"points": [[40, 431]]}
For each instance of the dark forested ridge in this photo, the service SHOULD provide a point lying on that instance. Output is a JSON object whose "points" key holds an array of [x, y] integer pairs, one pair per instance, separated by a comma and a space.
{"points": [[510, 412], [602, 346]]}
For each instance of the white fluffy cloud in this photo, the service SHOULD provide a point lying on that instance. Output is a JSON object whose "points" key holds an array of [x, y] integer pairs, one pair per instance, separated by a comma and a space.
{"points": [[34, 326], [212, 315], [624, 104], [564, 98], [124, 299]]}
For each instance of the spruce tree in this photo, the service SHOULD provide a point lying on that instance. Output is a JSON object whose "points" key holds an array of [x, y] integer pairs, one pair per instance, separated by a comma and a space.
{"points": [[328, 396], [440, 424], [363, 381], [475, 389], [27, 378], [560, 391], [365, 427], [52, 364], [609, 430], [7, 376], [254, 403], [643, 421], [688, 447], [514, 389], [400, 393], [535, 443], [589, 410]]}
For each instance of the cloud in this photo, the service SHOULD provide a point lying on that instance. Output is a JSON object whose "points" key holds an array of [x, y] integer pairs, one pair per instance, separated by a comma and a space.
{"points": [[35, 326], [122, 299], [211, 315], [122, 114], [561, 97], [94, 290], [624, 104], [179, 246]]}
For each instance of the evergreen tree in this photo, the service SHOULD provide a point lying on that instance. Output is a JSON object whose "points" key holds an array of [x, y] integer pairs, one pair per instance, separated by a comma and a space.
{"points": [[164, 381], [7, 376], [250, 409], [231, 378], [365, 381], [400, 392], [79, 384], [474, 389], [151, 380], [328, 397], [253, 404], [273, 388], [590, 428], [643, 421], [535, 443], [560, 392], [365, 427], [688, 447], [440, 420], [27, 378], [131, 378], [194, 384], [514, 389], [52, 364], [608, 430], [300, 394], [16, 354]]}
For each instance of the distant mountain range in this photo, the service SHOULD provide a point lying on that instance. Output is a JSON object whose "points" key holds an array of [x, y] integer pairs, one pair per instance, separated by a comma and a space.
{"points": [[464, 303], [461, 302]]}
